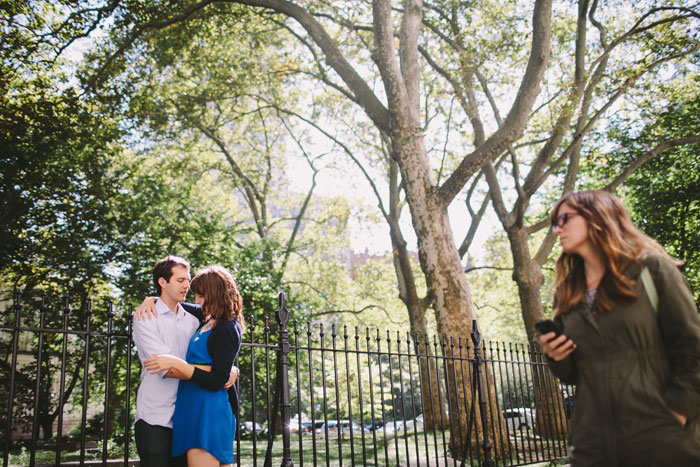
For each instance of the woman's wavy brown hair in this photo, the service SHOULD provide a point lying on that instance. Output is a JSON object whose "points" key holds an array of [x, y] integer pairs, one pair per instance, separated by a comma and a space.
{"points": [[619, 242], [222, 301]]}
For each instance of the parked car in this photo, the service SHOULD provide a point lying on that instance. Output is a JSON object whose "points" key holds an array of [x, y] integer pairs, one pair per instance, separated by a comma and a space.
{"points": [[345, 427], [392, 426], [307, 428], [374, 426], [396, 425], [304, 427], [401, 425], [413, 425], [247, 429], [519, 418], [317, 426]]}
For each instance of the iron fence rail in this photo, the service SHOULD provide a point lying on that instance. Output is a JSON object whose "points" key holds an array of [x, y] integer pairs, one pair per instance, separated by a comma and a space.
{"points": [[311, 394]]}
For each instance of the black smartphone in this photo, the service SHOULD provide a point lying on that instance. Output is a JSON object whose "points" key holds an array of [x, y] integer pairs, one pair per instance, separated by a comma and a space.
{"points": [[543, 327]]}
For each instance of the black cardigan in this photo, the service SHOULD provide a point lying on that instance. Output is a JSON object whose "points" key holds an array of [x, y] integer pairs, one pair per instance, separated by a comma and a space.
{"points": [[223, 345]]}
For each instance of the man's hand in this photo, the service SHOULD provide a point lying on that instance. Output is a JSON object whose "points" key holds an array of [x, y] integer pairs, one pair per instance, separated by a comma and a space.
{"points": [[146, 309], [232, 378]]}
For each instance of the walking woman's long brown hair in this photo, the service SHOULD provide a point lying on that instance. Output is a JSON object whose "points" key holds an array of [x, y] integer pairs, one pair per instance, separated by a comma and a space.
{"points": [[222, 301], [619, 242]]}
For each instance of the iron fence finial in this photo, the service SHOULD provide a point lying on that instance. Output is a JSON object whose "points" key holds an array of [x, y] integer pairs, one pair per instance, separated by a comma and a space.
{"points": [[282, 314]]}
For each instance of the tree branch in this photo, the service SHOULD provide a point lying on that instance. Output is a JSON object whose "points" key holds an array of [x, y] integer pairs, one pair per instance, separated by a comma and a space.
{"points": [[376, 111], [618, 93], [476, 216], [305, 205], [141, 29], [354, 312], [519, 114], [658, 149], [408, 46], [248, 186]]}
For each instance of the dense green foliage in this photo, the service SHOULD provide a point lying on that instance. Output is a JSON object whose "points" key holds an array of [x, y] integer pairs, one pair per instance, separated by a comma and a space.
{"points": [[664, 194], [56, 158]]}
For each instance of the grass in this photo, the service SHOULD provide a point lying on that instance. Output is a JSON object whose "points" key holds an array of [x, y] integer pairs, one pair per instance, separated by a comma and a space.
{"points": [[414, 449], [22, 456], [389, 450]]}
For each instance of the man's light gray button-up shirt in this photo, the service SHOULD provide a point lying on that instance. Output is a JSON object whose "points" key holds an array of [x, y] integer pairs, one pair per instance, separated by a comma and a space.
{"points": [[170, 334]]}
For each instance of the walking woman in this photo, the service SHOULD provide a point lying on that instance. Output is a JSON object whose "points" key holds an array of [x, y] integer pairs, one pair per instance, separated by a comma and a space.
{"points": [[204, 423], [630, 342]]}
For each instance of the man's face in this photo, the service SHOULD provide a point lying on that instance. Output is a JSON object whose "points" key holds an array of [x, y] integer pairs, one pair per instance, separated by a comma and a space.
{"points": [[176, 289]]}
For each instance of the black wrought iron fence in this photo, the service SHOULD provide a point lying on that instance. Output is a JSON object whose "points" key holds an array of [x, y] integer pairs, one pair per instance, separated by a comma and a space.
{"points": [[310, 394]]}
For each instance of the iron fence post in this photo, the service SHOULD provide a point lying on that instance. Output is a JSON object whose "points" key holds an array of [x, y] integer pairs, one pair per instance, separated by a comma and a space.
{"points": [[86, 377], [17, 305], [478, 362], [105, 421], [37, 388], [282, 315], [127, 405], [62, 387]]}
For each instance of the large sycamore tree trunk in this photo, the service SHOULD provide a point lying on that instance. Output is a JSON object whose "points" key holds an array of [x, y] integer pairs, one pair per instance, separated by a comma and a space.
{"points": [[433, 411], [440, 261]]}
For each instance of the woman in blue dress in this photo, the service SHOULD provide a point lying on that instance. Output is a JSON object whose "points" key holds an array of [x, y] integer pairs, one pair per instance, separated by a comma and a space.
{"points": [[204, 423]]}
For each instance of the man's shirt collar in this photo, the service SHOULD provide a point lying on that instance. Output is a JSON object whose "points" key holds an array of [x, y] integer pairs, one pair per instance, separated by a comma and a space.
{"points": [[162, 308]]}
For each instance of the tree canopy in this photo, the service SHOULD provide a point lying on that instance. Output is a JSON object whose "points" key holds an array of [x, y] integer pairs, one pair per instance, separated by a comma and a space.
{"points": [[664, 193]]}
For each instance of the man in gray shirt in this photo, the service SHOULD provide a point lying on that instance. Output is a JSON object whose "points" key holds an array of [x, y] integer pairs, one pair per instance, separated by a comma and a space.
{"points": [[169, 334]]}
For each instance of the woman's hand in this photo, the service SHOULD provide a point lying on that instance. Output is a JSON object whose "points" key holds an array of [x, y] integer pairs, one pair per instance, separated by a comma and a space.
{"points": [[146, 309], [158, 363], [556, 348], [680, 417]]}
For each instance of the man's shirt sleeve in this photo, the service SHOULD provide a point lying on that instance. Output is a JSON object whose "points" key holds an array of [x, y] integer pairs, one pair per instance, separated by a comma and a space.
{"points": [[148, 341]]}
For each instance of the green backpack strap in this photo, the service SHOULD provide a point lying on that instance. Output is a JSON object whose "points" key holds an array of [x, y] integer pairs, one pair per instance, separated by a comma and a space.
{"points": [[650, 289]]}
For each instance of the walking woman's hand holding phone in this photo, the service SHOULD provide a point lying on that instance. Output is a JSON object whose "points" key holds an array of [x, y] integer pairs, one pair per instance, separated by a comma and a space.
{"points": [[554, 343]]}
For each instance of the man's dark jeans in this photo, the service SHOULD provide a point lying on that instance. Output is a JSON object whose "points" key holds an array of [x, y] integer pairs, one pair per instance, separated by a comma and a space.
{"points": [[154, 443]]}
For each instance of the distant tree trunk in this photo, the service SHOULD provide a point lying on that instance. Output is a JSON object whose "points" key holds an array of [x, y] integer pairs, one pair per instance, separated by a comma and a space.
{"points": [[527, 274], [46, 425]]}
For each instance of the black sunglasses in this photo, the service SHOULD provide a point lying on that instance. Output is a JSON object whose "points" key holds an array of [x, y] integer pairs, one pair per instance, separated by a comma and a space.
{"points": [[562, 219]]}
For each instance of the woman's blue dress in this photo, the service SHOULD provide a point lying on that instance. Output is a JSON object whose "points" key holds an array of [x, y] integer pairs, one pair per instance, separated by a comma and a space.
{"points": [[203, 418]]}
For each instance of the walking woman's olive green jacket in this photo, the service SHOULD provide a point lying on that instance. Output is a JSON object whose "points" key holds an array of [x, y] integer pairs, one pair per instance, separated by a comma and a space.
{"points": [[631, 366]]}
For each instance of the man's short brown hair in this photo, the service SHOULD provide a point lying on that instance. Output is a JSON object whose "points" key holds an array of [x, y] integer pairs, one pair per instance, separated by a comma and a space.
{"points": [[164, 268]]}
